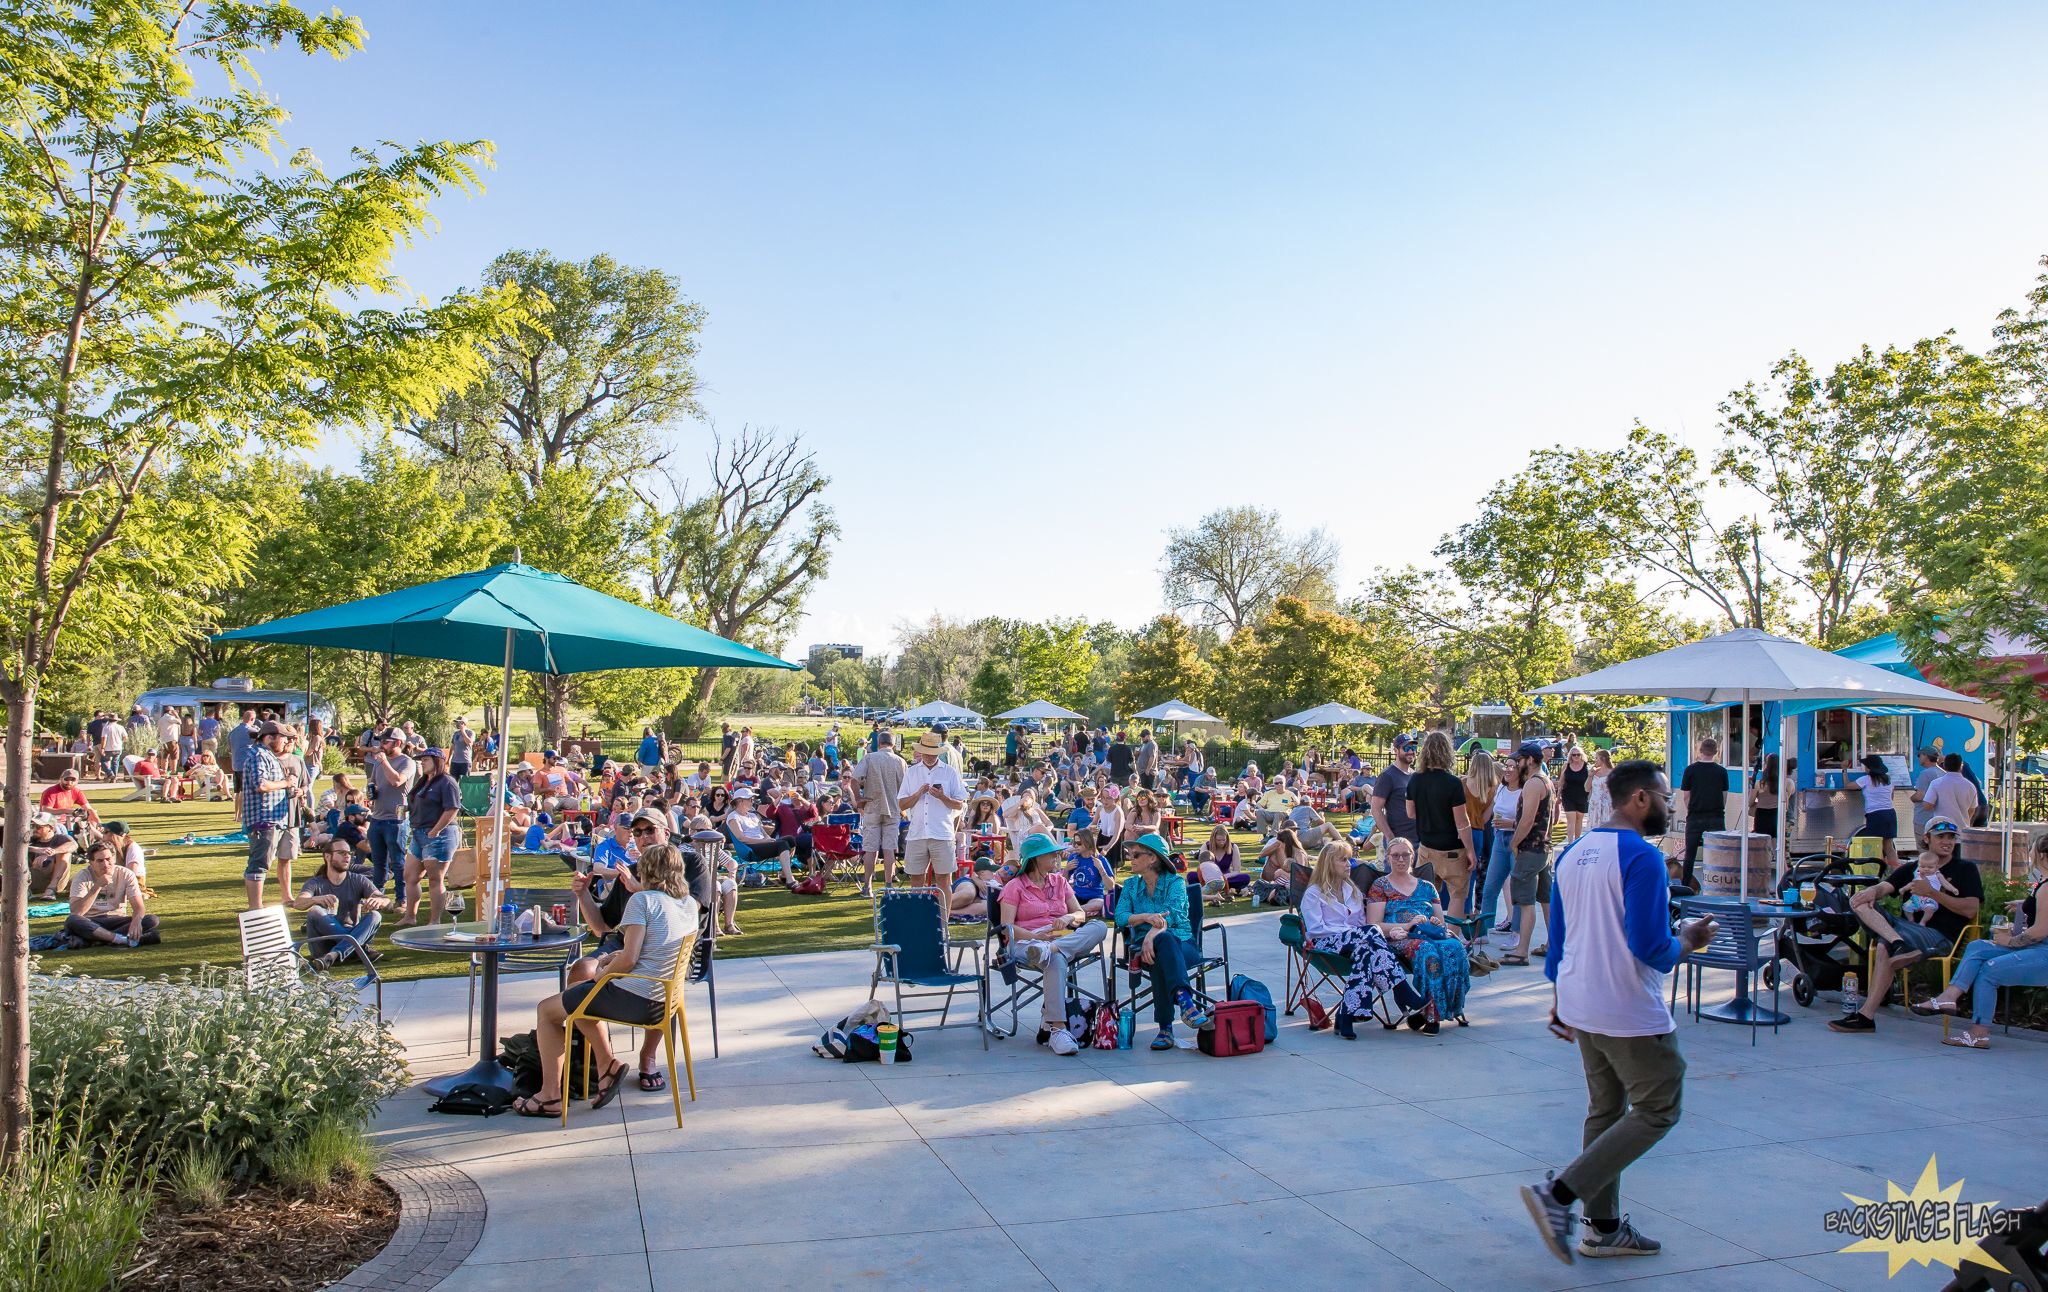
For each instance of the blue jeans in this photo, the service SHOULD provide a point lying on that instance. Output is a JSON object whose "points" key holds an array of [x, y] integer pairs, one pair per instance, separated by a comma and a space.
{"points": [[1482, 858], [387, 853], [1994, 966], [325, 924], [1500, 863], [1169, 970]]}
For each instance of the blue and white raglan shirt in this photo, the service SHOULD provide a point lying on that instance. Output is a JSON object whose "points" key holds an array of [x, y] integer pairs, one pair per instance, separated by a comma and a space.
{"points": [[1610, 935]]}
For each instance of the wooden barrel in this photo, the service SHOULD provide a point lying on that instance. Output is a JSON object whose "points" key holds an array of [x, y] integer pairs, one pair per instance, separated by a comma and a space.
{"points": [[1720, 865], [1986, 846]]}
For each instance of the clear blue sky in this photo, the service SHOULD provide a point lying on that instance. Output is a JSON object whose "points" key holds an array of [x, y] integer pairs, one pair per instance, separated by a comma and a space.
{"points": [[1052, 278]]}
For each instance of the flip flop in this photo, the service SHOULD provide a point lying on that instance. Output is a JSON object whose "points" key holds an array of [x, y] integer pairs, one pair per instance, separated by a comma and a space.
{"points": [[653, 1082], [1512, 959], [1967, 1042], [608, 1085]]}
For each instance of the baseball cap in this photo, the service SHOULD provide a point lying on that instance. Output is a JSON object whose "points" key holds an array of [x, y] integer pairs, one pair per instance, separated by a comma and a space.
{"points": [[114, 827], [1942, 825], [1404, 742], [1531, 749], [434, 751], [653, 817]]}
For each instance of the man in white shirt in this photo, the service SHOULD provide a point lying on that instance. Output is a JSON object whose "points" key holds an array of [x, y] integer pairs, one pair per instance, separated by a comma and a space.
{"points": [[1951, 794], [931, 797], [1610, 948], [1929, 772]]}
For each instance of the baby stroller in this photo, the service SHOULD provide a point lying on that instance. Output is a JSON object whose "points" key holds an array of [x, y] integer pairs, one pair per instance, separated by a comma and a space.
{"points": [[1831, 942]]}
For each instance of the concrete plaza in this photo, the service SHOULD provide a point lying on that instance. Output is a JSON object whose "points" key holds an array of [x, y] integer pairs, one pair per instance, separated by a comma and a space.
{"points": [[1391, 1162]]}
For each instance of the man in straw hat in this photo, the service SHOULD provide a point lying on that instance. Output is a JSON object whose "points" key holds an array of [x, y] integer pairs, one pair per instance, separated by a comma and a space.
{"points": [[931, 797]]}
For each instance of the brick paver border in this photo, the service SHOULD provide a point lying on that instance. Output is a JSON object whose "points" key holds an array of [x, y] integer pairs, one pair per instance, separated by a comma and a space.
{"points": [[441, 1217]]}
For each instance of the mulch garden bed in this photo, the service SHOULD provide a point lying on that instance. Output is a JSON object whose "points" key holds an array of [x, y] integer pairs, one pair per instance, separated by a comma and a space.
{"points": [[264, 1239]]}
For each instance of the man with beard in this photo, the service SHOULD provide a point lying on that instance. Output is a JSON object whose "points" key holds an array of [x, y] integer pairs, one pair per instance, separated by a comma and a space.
{"points": [[1610, 947]]}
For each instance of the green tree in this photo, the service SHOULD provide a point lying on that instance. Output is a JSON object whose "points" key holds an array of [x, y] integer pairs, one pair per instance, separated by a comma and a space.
{"points": [[1053, 662], [1978, 534], [595, 375], [992, 689], [740, 558], [160, 307], [1297, 656], [1235, 563], [1162, 665]]}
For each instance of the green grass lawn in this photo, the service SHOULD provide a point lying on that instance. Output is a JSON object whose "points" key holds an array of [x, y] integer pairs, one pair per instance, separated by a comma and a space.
{"points": [[199, 891]]}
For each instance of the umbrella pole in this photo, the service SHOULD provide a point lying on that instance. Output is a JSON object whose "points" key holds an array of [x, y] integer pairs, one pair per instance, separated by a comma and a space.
{"points": [[309, 693], [1742, 853], [2007, 792], [1785, 727], [497, 812]]}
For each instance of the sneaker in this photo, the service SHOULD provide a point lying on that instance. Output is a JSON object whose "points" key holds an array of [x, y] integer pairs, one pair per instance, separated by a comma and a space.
{"points": [[1063, 1042], [324, 961], [1554, 1220], [1163, 1041], [1851, 1023], [1624, 1241]]}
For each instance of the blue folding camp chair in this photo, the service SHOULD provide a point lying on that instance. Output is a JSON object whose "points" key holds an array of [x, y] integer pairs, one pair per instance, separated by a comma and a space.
{"points": [[917, 959]]}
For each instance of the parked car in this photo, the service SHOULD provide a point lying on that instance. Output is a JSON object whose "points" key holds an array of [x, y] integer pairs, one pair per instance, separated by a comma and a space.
{"points": [[1032, 725]]}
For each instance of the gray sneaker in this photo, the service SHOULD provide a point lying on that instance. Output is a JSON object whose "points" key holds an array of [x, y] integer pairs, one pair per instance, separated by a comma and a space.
{"points": [[1624, 1241], [1554, 1220]]}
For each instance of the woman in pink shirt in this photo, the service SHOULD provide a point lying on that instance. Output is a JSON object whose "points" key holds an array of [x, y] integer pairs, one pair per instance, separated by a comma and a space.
{"points": [[1043, 927]]}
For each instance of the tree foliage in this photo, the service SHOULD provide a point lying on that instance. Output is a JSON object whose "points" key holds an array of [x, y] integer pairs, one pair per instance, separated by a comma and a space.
{"points": [[1295, 657], [1233, 565], [1162, 664], [600, 368], [162, 305]]}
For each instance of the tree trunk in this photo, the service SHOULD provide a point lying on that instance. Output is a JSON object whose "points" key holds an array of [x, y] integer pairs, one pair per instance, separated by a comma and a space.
{"points": [[554, 706], [699, 716], [20, 699]]}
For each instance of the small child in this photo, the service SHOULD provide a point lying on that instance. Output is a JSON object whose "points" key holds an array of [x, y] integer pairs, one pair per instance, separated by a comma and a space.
{"points": [[1088, 874], [1920, 909]]}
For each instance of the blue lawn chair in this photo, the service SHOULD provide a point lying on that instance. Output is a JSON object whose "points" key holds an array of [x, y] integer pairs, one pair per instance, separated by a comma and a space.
{"points": [[917, 959]]}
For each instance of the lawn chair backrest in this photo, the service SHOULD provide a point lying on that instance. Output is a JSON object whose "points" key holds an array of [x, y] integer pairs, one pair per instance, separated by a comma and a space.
{"points": [[686, 958], [549, 959], [707, 942], [1292, 934], [1193, 889], [847, 819], [833, 840], [913, 919], [268, 960], [1734, 942]]}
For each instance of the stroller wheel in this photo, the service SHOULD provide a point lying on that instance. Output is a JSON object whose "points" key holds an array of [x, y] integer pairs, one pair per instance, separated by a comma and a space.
{"points": [[1771, 974], [1802, 990]]}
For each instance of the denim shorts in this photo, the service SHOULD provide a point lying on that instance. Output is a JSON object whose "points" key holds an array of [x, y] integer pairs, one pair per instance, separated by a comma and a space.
{"points": [[432, 847], [1920, 937]]}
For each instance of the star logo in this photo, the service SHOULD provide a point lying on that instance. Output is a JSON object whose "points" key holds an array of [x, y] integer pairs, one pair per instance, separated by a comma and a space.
{"points": [[1928, 1225]]}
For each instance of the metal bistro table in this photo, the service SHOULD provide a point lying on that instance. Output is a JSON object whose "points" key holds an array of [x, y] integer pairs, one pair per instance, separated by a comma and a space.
{"points": [[1744, 1009], [438, 939]]}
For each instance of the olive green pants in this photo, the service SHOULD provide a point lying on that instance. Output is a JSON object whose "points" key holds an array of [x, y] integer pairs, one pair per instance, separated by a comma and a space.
{"points": [[1633, 1085]]}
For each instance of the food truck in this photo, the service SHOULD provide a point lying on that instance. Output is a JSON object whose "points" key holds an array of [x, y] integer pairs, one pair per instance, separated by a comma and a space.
{"points": [[230, 697], [1831, 743]]}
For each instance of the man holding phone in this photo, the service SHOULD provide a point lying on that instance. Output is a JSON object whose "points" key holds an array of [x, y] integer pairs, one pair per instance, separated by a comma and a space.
{"points": [[1610, 948]]}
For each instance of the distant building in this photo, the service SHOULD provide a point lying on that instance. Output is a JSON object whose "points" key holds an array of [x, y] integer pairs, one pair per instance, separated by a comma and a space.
{"points": [[825, 652]]}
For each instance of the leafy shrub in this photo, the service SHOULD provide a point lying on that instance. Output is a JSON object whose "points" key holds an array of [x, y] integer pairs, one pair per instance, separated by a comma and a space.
{"points": [[71, 1210], [1228, 757], [200, 1062]]}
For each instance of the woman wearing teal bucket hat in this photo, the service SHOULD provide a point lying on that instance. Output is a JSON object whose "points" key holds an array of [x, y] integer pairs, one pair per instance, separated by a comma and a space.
{"points": [[1152, 908], [1047, 930]]}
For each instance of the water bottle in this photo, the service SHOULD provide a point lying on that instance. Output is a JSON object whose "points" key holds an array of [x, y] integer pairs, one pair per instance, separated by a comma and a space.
{"points": [[508, 917], [1852, 993]]}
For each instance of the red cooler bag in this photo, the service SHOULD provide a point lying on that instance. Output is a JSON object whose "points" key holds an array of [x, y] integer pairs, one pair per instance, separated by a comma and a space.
{"points": [[1239, 1027]]}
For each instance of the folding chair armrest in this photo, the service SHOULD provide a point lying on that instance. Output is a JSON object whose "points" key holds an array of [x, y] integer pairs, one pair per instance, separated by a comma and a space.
{"points": [[889, 947]]}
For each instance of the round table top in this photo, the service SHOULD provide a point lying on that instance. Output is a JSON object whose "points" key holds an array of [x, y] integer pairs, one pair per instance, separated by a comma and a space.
{"points": [[437, 937]]}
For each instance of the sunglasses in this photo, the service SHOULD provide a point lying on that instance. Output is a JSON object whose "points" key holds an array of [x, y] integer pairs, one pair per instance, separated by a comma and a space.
{"points": [[644, 828]]}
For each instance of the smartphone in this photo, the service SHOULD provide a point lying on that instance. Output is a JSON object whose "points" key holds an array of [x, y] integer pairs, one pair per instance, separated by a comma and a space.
{"points": [[583, 865], [1561, 1032]]}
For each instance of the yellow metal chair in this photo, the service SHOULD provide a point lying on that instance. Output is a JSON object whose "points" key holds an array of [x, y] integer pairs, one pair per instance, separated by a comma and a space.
{"points": [[1946, 963], [672, 1022]]}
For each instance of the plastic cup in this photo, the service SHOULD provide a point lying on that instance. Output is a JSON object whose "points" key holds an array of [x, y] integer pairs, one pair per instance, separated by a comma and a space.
{"points": [[885, 1041]]}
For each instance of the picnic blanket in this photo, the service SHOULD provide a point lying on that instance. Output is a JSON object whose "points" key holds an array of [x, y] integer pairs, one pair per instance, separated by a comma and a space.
{"points": [[44, 910], [194, 840]]}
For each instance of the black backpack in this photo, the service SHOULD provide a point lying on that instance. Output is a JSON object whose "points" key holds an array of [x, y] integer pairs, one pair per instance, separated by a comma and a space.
{"points": [[521, 1053]]}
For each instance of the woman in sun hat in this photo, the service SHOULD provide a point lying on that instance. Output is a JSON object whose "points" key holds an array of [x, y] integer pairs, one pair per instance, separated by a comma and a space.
{"points": [[1152, 909], [1045, 928]]}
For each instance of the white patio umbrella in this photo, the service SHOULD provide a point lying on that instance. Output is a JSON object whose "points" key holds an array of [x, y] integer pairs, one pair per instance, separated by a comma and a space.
{"points": [[1039, 709], [1748, 666], [1174, 711], [1332, 715], [937, 711]]}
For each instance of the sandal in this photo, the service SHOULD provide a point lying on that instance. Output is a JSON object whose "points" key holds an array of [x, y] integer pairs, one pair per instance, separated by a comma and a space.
{"points": [[608, 1086], [1937, 1007], [1964, 1041], [1512, 959], [653, 1082], [529, 1106], [732, 932]]}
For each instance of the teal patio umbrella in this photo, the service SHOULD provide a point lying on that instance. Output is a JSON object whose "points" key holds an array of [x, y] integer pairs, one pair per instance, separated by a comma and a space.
{"points": [[516, 616]]}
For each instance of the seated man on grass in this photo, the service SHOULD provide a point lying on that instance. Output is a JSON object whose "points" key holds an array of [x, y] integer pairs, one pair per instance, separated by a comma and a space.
{"points": [[1942, 892], [107, 905], [339, 901], [50, 853]]}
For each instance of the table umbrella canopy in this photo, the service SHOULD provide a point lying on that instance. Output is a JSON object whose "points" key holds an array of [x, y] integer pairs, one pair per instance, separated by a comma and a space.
{"points": [[1332, 715], [557, 626], [1174, 711], [1748, 665], [1039, 709], [937, 711]]}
